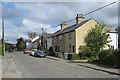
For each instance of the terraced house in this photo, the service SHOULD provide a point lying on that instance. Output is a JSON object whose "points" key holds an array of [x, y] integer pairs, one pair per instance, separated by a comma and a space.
{"points": [[69, 38]]}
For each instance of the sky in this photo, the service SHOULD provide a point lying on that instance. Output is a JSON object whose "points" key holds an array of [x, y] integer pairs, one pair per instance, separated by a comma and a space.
{"points": [[23, 17]]}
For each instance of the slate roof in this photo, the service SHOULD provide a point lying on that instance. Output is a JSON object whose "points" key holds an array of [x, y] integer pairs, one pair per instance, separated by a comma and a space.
{"points": [[70, 28], [46, 35], [113, 31]]}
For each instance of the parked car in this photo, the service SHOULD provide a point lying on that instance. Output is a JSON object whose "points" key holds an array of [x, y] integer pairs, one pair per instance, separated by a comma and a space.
{"points": [[39, 53], [32, 52], [10, 50], [26, 51]]}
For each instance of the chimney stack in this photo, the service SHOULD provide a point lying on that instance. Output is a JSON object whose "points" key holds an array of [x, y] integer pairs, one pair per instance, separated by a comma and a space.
{"points": [[79, 18], [63, 25]]}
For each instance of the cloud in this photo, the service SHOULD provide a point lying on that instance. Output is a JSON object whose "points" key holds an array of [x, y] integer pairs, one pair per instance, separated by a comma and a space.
{"points": [[24, 17], [15, 31]]}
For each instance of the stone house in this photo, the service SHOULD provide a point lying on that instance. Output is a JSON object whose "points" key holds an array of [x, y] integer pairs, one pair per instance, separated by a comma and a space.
{"points": [[69, 38]]}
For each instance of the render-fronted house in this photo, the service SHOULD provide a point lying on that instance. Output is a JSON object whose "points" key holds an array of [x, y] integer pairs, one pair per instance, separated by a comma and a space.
{"points": [[44, 40], [49, 42], [113, 40], [35, 42]]}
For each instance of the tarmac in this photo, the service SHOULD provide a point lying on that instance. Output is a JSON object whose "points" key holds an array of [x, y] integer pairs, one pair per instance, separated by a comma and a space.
{"points": [[84, 63], [8, 67]]}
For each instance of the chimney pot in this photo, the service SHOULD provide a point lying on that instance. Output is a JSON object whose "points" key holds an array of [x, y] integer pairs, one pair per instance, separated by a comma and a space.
{"points": [[63, 24], [79, 18]]}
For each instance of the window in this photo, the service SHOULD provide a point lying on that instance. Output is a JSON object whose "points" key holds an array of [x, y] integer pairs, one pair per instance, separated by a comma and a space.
{"points": [[54, 39], [69, 35], [58, 49], [73, 49], [111, 47], [70, 48], [60, 37]]}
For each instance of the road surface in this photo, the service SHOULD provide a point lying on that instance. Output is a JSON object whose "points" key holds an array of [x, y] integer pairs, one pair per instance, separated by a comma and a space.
{"points": [[36, 67]]}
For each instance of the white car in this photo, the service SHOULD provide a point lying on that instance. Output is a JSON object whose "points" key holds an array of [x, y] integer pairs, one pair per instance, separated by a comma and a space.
{"points": [[32, 53]]}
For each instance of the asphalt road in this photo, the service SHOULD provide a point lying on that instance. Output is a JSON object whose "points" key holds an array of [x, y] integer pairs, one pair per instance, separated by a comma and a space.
{"points": [[36, 67]]}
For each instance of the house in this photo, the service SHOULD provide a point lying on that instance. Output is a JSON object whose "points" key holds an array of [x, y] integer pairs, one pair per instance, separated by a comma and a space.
{"points": [[39, 42], [28, 44], [49, 42], [69, 38], [113, 40], [45, 41], [118, 30], [35, 42]]}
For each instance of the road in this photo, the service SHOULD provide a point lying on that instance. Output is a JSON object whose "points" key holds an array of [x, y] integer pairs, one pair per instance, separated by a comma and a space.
{"points": [[36, 67]]}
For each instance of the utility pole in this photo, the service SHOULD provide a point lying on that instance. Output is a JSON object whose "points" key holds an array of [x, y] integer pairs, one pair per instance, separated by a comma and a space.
{"points": [[42, 39], [3, 53]]}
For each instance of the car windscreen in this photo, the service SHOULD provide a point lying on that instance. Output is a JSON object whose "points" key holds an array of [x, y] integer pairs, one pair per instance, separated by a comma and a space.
{"points": [[27, 50], [40, 51]]}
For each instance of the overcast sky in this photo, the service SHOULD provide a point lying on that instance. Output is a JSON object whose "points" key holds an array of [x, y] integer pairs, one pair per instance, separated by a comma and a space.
{"points": [[20, 18]]}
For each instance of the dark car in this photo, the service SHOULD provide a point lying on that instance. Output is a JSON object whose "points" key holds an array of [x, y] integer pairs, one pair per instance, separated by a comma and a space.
{"points": [[26, 51], [10, 50], [39, 53]]}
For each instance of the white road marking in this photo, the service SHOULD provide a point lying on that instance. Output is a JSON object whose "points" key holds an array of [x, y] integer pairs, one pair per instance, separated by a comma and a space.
{"points": [[60, 69], [80, 77]]}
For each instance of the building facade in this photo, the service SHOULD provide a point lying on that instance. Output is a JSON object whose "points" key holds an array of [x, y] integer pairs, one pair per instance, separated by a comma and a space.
{"points": [[69, 38], [113, 40]]}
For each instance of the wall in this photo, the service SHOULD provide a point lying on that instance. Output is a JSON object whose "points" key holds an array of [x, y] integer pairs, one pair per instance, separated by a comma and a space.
{"points": [[81, 32], [49, 43], [71, 42], [114, 40]]}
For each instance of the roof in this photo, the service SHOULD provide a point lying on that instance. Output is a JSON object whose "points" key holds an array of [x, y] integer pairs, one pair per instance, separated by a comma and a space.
{"points": [[46, 35], [34, 39], [70, 28], [112, 30]]}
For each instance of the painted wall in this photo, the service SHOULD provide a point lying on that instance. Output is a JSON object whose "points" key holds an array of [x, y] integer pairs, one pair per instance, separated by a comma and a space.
{"points": [[114, 40], [49, 43], [28, 45], [81, 32], [70, 41]]}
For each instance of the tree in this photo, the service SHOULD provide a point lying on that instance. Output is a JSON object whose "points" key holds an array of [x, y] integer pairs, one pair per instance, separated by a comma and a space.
{"points": [[97, 38], [20, 44]]}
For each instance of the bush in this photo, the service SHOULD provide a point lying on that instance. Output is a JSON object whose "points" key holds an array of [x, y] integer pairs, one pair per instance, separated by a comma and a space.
{"points": [[116, 58], [51, 52], [105, 57], [109, 57], [84, 51], [46, 51], [75, 56]]}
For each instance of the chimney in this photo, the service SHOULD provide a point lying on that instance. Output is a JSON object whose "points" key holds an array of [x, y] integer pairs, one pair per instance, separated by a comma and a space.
{"points": [[79, 18], [63, 25]]}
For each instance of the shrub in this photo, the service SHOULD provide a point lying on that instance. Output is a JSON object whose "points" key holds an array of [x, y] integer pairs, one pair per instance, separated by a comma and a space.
{"points": [[105, 57], [46, 51], [84, 51], [51, 52], [75, 56], [116, 58]]}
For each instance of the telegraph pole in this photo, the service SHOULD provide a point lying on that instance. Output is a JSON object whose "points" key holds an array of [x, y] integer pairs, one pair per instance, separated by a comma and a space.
{"points": [[3, 53]]}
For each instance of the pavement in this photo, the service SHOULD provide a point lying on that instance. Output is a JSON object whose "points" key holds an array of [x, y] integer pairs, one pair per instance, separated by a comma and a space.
{"points": [[99, 67], [50, 67], [9, 69]]}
